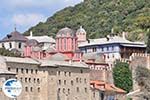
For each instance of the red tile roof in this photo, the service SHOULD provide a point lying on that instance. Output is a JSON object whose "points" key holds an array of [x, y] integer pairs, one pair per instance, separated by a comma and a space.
{"points": [[103, 86]]}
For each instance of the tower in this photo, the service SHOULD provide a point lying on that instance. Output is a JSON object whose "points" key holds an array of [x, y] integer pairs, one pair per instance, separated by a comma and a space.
{"points": [[81, 35], [66, 40]]}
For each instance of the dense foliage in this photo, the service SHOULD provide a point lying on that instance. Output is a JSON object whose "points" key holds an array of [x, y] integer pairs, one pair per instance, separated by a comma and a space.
{"points": [[148, 42], [143, 80], [98, 17], [122, 76], [5, 52]]}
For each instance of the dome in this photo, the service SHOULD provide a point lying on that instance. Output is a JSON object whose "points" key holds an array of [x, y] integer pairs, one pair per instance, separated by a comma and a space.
{"points": [[81, 30], [65, 31], [59, 57], [2, 63]]}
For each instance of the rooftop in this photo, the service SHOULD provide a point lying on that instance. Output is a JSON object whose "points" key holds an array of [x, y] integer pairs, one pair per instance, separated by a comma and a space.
{"points": [[14, 36], [103, 86], [42, 39], [111, 40], [66, 32]]}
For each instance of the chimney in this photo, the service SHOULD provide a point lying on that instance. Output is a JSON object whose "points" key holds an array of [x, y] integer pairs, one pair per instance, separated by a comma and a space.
{"points": [[123, 35], [31, 33]]}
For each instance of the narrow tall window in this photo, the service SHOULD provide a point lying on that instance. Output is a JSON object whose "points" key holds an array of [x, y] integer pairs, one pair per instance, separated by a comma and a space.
{"points": [[3, 45], [64, 82], [26, 89], [16, 70], [38, 89], [8, 68], [19, 46], [21, 70], [72, 82], [77, 89], [31, 89], [27, 71], [59, 82], [10, 45]]}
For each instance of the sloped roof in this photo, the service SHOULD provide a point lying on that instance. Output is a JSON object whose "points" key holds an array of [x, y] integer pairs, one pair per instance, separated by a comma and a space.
{"points": [[114, 39], [20, 60], [103, 86], [42, 39], [59, 57], [54, 63], [14, 36]]}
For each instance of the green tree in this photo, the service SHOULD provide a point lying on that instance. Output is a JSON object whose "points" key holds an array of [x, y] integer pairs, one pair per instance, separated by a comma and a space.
{"points": [[148, 43], [143, 80], [5, 52], [122, 76]]}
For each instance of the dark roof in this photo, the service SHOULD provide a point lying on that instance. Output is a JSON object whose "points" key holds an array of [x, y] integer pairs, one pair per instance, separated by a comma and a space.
{"points": [[14, 36], [32, 42], [65, 31]]}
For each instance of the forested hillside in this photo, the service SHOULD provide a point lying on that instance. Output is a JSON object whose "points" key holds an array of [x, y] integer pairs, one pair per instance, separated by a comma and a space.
{"points": [[98, 17]]}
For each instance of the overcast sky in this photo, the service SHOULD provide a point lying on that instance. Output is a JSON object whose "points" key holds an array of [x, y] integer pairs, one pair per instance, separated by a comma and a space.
{"points": [[27, 13]]}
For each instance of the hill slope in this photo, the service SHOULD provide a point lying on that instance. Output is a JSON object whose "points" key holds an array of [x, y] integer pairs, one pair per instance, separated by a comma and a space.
{"points": [[98, 17]]}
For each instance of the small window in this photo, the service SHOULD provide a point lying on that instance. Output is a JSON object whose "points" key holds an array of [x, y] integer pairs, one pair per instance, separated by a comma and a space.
{"points": [[94, 94], [59, 82], [113, 55], [85, 90], [16, 70], [58, 90], [36, 71], [58, 72], [80, 80], [31, 71], [8, 68], [81, 71], [31, 89], [19, 46], [72, 82], [10, 45], [69, 73], [77, 89], [21, 70], [77, 80], [3, 45], [38, 89], [21, 79], [63, 90], [65, 73], [107, 48], [29, 79], [34, 80], [38, 80], [25, 79], [26, 89], [27, 71], [85, 81], [64, 82], [68, 91], [102, 49]]}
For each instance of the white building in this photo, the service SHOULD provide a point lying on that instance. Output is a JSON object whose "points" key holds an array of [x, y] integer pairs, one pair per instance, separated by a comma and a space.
{"points": [[14, 41]]}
